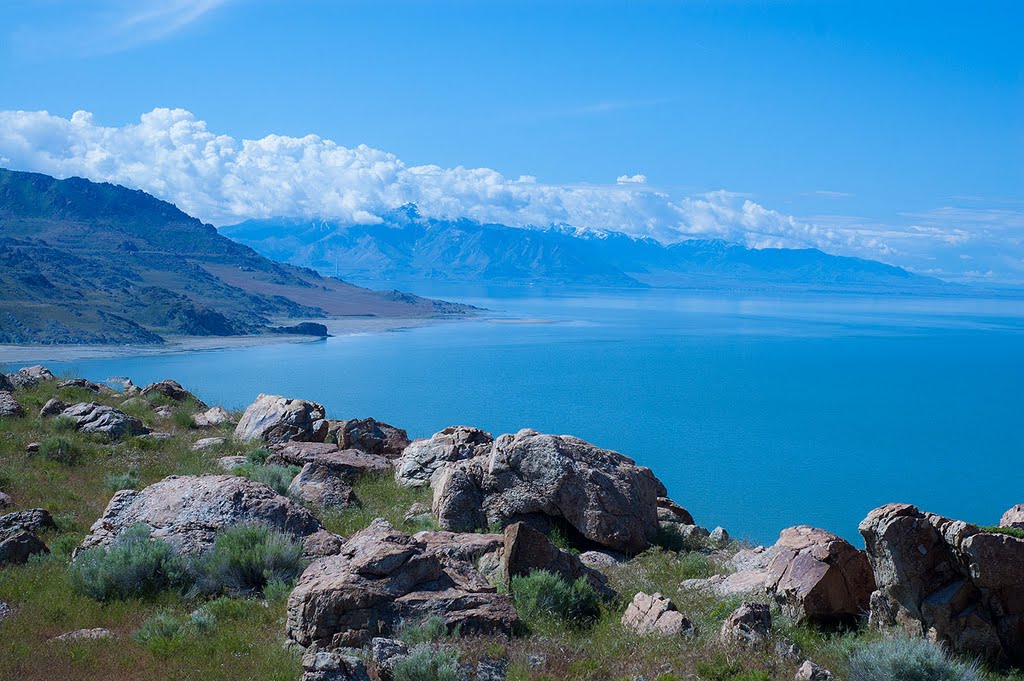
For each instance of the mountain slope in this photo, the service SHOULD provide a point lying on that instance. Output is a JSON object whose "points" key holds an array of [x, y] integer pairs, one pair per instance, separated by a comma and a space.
{"points": [[82, 262], [406, 246]]}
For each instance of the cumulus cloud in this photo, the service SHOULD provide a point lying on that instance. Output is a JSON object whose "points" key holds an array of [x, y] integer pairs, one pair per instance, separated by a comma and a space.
{"points": [[173, 155]]}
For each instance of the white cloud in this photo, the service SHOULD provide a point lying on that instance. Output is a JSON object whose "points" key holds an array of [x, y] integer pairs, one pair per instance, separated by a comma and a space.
{"points": [[173, 155], [631, 179]]}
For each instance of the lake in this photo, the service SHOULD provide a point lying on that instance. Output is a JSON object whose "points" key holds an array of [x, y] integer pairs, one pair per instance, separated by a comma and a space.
{"points": [[757, 412]]}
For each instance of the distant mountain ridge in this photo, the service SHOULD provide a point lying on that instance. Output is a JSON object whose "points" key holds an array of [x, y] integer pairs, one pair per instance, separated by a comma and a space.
{"points": [[83, 262], [406, 246]]}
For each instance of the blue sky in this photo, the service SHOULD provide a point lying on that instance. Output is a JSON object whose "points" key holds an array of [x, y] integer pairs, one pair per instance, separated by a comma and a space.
{"points": [[887, 130]]}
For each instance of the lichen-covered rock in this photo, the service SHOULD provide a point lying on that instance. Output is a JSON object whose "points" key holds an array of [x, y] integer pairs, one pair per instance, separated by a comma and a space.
{"points": [[748, 625], [370, 436], [321, 486], [212, 417], [421, 460], [29, 520], [649, 614], [275, 419], [8, 405], [327, 665], [819, 578], [347, 463], [382, 577], [28, 377], [535, 478], [17, 548], [172, 390], [947, 579], [1014, 517], [53, 407], [188, 511], [96, 418]]}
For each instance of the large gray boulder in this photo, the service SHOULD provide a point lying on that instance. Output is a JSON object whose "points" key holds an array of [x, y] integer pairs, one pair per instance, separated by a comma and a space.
{"points": [[534, 478], [99, 419], [819, 578], [188, 511], [947, 579], [275, 419], [421, 461], [382, 577], [370, 436], [8, 405], [27, 377], [172, 390]]}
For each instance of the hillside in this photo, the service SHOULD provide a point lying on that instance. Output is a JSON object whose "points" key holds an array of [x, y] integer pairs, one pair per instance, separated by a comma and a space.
{"points": [[407, 246], [82, 262]]}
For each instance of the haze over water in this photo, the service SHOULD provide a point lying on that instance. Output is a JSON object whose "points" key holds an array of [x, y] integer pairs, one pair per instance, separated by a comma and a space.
{"points": [[757, 412]]}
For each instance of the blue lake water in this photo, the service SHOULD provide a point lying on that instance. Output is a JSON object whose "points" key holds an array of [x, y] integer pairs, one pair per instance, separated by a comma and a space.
{"points": [[757, 412]]}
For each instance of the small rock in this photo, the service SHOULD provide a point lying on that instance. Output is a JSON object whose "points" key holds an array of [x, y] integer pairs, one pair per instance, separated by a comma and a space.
{"points": [[384, 653], [164, 412], [215, 416], [33, 447], [416, 512], [229, 463], [322, 665], [719, 536], [5, 611], [671, 512], [748, 625], [809, 671], [788, 651], [526, 550], [208, 443], [655, 614], [52, 408], [30, 520], [157, 435], [422, 460], [370, 436], [275, 419], [5, 501], [321, 486], [601, 559], [172, 390], [8, 405], [84, 635], [79, 383], [17, 548]]}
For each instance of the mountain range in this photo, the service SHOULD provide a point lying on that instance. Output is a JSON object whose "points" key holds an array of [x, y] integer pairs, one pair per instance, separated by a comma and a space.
{"points": [[83, 262], [407, 246]]}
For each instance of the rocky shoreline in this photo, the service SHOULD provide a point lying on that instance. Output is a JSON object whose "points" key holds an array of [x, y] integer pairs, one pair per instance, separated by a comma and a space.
{"points": [[509, 506]]}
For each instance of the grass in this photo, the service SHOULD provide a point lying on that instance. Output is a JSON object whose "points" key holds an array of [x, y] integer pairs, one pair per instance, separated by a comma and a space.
{"points": [[379, 496], [278, 478], [1017, 532]]}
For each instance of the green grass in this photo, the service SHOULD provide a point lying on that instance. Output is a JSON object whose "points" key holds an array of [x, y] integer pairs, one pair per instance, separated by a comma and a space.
{"points": [[1009, 531], [379, 496]]}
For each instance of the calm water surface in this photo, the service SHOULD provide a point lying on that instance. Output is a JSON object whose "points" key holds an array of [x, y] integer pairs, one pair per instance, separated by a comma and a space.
{"points": [[757, 412]]}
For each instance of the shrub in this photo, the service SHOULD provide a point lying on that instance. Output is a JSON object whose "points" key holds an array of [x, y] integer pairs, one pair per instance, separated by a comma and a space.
{"points": [[544, 595], [428, 630], [162, 625], [115, 482], [276, 477], [907, 659], [424, 663], [246, 558], [278, 590], [59, 449], [64, 424], [258, 457], [132, 566]]}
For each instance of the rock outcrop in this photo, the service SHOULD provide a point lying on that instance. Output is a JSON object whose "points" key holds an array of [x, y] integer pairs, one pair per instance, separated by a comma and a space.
{"points": [[188, 511], [1014, 517], [347, 463], [747, 625], [947, 579], [421, 460], [370, 436], [819, 578], [96, 418], [275, 419], [382, 577], [172, 390], [530, 477], [653, 614], [319, 485]]}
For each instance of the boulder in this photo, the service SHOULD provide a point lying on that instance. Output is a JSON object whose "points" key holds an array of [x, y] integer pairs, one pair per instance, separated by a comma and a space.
{"points": [[748, 625], [33, 520], [603, 495], [96, 418], [1014, 517], [53, 407], [671, 512], [468, 547], [97, 634], [383, 577], [719, 536], [947, 579], [819, 578], [202, 444], [527, 550], [348, 463], [17, 548], [601, 560], [319, 485], [188, 511], [172, 390], [654, 614], [384, 653], [370, 436], [80, 383], [211, 418], [809, 671], [276, 419], [27, 377], [326, 665], [9, 406], [422, 459]]}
